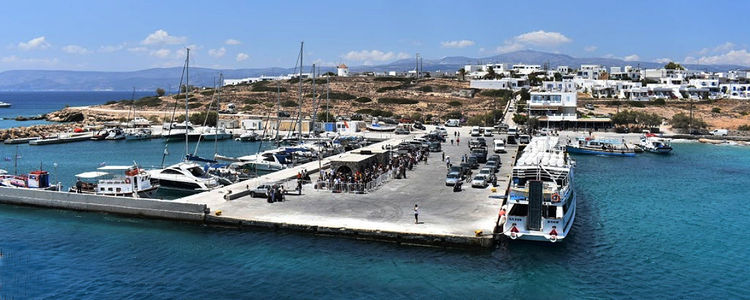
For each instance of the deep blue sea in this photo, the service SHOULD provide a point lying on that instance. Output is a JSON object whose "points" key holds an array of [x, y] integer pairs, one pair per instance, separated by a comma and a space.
{"points": [[35, 103], [647, 227]]}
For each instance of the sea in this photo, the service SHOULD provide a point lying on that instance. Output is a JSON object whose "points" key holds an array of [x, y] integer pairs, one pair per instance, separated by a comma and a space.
{"points": [[652, 226]]}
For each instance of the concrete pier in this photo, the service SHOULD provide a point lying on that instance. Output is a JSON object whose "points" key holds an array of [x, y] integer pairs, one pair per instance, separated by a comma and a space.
{"points": [[446, 218]]}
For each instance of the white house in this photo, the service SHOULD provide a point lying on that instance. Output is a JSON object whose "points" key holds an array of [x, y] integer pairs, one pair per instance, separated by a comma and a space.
{"points": [[564, 70], [559, 86], [524, 69], [590, 71], [499, 84], [342, 70], [553, 107]]}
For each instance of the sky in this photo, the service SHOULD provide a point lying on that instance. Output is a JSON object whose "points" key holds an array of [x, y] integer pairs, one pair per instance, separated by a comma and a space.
{"points": [[134, 35]]}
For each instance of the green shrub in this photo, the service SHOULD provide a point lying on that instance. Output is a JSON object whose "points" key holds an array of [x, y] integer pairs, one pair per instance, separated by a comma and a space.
{"points": [[636, 104], [363, 100], [374, 112], [426, 89], [716, 110], [744, 127], [250, 101], [399, 79], [453, 115], [341, 96], [264, 88], [659, 101], [194, 105], [505, 94], [744, 113], [208, 92], [288, 103], [150, 101], [455, 103], [111, 102], [397, 101], [390, 88], [683, 121]]}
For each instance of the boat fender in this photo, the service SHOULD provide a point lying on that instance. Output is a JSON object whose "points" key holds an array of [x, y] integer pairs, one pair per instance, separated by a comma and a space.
{"points": [[127, 180], [555, 197]]}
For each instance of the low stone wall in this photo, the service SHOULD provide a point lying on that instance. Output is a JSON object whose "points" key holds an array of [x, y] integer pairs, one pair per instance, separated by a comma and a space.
{"points": [[118, 205]]}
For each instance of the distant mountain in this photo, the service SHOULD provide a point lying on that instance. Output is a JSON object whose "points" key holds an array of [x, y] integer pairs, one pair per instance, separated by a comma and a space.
{"points": [[150, 79]]}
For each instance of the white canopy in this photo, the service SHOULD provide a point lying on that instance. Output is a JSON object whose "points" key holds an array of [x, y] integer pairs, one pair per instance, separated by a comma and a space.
{"points": [[89, 175], [114, 168]]}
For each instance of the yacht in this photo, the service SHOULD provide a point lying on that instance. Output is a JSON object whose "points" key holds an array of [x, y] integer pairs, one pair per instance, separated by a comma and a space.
{"points": [[139, 122], [210, 134], [185, 176], [138, 134], [248, 137], [177, 131], [265, 162], [132, 182], [542, 202], [115, 134], [376, 125], [4, 104], [653, 144], [600, 147]]}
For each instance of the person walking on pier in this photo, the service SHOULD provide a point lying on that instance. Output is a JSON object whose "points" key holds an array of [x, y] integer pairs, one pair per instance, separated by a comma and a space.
{"points": [[416, 214]]}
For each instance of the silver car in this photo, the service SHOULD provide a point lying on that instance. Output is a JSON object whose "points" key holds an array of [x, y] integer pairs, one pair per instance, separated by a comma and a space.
{"points": [[479, 181], [452, 178]]}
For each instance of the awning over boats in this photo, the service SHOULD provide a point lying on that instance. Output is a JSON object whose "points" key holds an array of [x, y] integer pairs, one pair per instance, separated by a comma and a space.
{"points": [[114, 168], [89, 175]]}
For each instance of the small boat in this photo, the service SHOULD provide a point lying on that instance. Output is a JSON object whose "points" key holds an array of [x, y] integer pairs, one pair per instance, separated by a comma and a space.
{"points": [[185, 176], [178, 131], [62, 138], [100, 135], [115, 134], [653, 144], [4, 104], [380, 126], [140, 134], [600, 147], [210, 134], [136, 182], [34, 180], [248, 137]]}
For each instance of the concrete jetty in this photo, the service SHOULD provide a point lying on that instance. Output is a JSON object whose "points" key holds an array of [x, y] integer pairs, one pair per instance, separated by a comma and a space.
{"points": [[447, 218]]}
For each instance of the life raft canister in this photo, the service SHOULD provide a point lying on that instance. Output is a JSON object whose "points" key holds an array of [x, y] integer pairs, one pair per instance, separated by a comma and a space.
{"points": [[555, 197]]}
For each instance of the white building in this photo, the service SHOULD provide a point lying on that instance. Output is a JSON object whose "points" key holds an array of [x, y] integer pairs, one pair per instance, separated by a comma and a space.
{"points": [[499, 84], [590, 71], [553, 107], [564, 70], [524, 69], [736, 90], [559, 86], [342, 70]]}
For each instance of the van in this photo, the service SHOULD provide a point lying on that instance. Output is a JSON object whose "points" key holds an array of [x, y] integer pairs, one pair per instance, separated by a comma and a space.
{"points": [[452, 123], [499, 146], [719, 132], [475, 131], [524, 139], [512, 131]]}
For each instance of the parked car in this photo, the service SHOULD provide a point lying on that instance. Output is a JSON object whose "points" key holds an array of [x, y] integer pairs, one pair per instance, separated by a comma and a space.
{"points": [[475, 131], [401, 131], [260, 191], [443, 131], [499, 146], [480, 154], [488, 132], [452, 178], [493, 157], [456, 169], [719, 132], [479, 181], [466, 170], [473, 162], [490, 173], [435, 147], [419, 126], [494, 165]]}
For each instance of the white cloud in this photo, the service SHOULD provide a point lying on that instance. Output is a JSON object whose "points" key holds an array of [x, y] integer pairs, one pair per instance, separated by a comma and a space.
{"points": [[457, 44], [720, 48], [367, 57], [632, 57], [111, 48], [138, 49], [663, 60], [161, 37], [733, 57], [538, 38], [217, 52], [242, 56], [590, 48], [161, 53], [232, 42], [75, 49], [35, 43]]}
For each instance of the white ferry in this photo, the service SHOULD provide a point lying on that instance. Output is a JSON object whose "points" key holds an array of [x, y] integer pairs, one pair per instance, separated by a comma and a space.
{"points": [[542, 202]]}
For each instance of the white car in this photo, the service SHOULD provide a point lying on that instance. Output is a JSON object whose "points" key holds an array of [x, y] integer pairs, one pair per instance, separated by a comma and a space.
{"points": [[479, 181], [488, 132], [499, 146], [475, 131]]}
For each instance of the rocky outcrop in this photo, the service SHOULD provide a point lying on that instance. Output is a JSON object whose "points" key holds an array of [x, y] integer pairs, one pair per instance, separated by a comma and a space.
{"points": [[65, 115], [36, 131]]}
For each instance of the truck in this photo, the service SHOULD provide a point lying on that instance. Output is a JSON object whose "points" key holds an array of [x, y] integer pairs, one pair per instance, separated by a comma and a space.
{"points": [[719, 132]]}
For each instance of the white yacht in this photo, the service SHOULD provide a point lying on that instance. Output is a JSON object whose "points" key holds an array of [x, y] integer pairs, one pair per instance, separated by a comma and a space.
{"points": [[212, 133], [185, 176], [138, 134], [542, 202], [136, 182], [4, 104], [115, 134], [177, 131], [652, 143]]}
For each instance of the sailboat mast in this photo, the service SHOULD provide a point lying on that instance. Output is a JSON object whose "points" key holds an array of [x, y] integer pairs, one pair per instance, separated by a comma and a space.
{"points": [[328, 91], [278, 111], [299, 115], [218, 108], [315, 104], [187, 95]]}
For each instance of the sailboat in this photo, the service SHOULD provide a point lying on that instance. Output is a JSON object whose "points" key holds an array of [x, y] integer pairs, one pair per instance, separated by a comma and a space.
{"points": [[186, 175]]}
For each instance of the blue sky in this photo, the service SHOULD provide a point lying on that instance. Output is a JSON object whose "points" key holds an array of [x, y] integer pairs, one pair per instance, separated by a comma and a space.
{"points": [[133, 35]]}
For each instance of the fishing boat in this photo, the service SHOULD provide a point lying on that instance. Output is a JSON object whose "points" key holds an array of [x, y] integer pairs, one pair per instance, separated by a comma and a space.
{"points": [[115, 134], [651, 143], [381, 126], [542, 202], [131, 182], [4, 104], [34, 180], [600, 147], [138, 134]]}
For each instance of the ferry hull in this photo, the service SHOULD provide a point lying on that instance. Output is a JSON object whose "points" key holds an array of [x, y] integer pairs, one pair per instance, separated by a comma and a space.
{"points": [[577, 150]]}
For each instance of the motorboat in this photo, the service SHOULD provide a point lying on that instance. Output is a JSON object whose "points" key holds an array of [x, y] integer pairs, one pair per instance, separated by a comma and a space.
{"points": [[651, 143], [600, 147], [178, 131], [34, 180], [4, 104], [139, 122], [138, 134], [185, 176], [100, 135], [210, 134], [248, 137], [542, 202], [131, 181], [376, 125], [115, 134]]}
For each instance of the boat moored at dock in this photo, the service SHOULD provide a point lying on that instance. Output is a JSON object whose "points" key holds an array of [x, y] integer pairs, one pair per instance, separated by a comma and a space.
{"points": [[600, 147], [542, 201], [135, 182], [652, 143]]}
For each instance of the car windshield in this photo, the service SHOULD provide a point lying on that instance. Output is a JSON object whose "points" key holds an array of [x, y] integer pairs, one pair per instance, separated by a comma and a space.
{"points": [[479, 178], [484, 171], [453, 175]]}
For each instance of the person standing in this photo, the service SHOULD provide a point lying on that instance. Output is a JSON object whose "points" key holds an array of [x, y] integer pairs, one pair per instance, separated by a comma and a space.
{"points": [[458, 141], [416, 214], [443, 157]]}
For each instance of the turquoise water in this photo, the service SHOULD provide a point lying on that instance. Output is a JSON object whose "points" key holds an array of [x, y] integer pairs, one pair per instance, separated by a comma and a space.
{"points": [[35, 103], [650, 226]]}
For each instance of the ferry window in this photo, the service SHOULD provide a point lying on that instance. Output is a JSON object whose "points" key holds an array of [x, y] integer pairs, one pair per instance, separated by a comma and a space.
{"points": [[550, 211], [119, 190], [520, 210]]}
